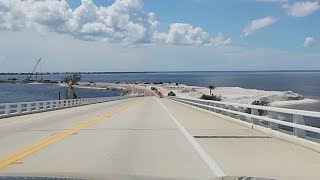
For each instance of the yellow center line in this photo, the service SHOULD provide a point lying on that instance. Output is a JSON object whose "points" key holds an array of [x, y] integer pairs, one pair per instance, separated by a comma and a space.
{"points": [[28, 150]]}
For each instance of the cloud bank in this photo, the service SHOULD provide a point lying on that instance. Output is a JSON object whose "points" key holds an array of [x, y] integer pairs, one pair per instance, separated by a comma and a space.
{"points": [[124, 21], [298, 8], [186, 34], [258, 24], [301, 9]]}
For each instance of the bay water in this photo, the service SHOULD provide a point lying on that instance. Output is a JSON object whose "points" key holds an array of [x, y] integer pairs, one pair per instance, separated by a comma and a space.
{"points": [[306, 83]]}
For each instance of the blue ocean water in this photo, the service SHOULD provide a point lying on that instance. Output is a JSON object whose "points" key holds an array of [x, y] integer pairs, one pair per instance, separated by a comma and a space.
{"points": [[306, 83], [39, 92]]}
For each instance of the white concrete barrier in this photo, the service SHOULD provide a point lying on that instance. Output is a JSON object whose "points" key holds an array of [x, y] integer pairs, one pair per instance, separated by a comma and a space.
{"points": [[20, 108], [265, 116]]}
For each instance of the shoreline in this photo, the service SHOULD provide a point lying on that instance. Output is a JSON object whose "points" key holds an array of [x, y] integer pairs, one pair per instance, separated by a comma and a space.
{"points": [[285, 99], [126, 89]]}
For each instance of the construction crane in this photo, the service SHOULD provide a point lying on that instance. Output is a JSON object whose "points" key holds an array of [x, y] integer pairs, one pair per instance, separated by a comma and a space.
{"points": [[34, 69]]}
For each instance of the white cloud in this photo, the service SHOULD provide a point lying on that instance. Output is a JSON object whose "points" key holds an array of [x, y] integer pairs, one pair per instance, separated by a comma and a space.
{"points": [[47, 14], [309, 41], [220, 40], [183, 34], [11, 16], [74, 55], [186, 34], [297, 9], [257, 24], [301, 9], [39, 14], [124, 21]]}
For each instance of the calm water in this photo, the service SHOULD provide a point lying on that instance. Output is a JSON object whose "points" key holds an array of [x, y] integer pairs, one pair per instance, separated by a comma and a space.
{"points": [[305, 83], [30, 92]]}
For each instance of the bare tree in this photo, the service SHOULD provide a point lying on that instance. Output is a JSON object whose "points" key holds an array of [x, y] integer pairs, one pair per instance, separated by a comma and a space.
{"points": [[72, 80]]}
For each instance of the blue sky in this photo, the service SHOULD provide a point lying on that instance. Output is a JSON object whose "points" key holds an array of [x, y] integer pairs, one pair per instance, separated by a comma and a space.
{"points": [[179, 35], [230, 16]]}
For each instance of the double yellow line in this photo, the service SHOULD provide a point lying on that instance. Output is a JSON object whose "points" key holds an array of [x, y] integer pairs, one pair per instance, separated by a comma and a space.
{"points": [[28, 150]]}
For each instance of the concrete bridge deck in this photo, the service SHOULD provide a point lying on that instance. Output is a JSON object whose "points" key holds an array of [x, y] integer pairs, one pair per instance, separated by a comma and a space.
{"points": [[149, 137]]}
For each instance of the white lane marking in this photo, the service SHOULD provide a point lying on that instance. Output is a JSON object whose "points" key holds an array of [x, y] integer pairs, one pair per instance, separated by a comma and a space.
{"points": [[213, 165]]}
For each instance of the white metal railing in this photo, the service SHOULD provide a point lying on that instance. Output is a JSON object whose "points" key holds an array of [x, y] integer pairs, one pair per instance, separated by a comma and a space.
{"points": [[270, 117], [14, 109]]}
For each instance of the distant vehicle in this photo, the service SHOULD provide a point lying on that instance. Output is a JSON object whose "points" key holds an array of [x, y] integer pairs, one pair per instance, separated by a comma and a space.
{"points": [[160, 95]]}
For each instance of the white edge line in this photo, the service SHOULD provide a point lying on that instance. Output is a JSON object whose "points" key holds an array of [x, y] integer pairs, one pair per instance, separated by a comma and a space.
{"points": [[213, 165]]}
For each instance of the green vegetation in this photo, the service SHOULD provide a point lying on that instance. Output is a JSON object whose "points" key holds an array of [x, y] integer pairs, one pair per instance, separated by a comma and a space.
{"points": [[211, 97], [72, 80], [171, 93], [258, 103]]}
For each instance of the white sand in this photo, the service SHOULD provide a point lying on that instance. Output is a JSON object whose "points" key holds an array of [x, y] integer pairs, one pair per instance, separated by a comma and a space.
{"points": [[127, 89], [231, 94], [228, 94]]}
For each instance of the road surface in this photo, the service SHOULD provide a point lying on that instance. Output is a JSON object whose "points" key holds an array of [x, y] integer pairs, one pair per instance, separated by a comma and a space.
{"points": [[149, 137]]}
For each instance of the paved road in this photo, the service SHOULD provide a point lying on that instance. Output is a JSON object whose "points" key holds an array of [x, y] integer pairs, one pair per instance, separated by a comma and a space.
{"points": [[149, 137]]}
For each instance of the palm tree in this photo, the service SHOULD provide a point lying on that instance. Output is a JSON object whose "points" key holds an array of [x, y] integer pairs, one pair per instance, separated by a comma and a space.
{"points": [[72, 80], [211, 87]]}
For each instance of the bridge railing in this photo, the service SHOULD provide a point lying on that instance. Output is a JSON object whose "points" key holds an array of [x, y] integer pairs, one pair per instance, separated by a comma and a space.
{"points": [[302, 124], [14, 109]]}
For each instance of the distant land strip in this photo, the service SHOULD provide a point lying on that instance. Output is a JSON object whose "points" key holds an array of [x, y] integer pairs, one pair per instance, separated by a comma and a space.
{"points": [[133, 72]]}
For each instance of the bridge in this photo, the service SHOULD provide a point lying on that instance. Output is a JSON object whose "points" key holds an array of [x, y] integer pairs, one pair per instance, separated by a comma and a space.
{"points": [[157, 137]]}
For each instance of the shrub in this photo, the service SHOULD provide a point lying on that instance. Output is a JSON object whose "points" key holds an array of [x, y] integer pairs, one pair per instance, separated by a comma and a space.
{"points": [[171, 93], [211, 97], [211, 87], [258, 103]]}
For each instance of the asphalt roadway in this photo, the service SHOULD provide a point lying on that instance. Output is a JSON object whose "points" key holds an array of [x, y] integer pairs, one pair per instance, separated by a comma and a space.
{"points": [[148, 137]]}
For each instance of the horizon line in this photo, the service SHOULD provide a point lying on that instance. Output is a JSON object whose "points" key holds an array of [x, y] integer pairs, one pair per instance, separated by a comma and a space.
{"points": [[177, 71]]}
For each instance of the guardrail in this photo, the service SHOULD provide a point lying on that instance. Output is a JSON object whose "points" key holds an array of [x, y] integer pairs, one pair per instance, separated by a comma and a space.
{"points": [[20, 108], [280, 119]]}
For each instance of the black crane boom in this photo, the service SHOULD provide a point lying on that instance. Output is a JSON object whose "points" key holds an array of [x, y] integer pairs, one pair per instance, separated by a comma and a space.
{"points": [[34, 69]]}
